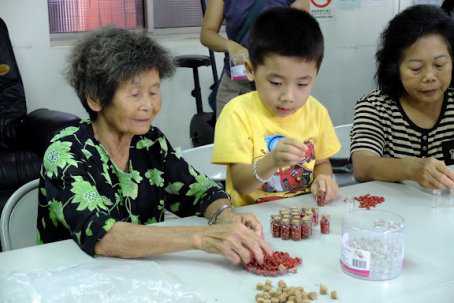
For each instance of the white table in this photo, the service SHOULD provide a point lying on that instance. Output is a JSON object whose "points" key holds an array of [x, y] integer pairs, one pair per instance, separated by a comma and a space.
{"points": [[427, 276]]}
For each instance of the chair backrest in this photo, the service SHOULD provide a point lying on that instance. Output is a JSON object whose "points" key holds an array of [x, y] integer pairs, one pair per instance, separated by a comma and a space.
{"points": [[200, 159], [341, 161], [343, 133], [18, 219]]}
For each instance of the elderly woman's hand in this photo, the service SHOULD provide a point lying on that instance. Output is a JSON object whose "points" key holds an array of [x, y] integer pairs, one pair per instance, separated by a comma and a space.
{"points": [[236, 241], [250, 220], [430, 172]]}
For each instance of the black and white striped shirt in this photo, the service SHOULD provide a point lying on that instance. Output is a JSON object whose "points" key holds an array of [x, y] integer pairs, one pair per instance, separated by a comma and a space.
{"points": [[381, 126]]}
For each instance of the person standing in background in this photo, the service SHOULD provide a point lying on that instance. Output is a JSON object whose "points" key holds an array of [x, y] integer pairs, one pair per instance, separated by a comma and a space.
{"points": [[238, 17]]}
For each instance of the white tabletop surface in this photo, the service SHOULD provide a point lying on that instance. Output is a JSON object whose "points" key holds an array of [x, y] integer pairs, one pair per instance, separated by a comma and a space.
{"points": [[427, 276]]}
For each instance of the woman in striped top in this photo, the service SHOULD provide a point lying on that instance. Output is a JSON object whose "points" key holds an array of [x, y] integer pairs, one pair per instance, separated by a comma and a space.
{"points": [[405, 129]]}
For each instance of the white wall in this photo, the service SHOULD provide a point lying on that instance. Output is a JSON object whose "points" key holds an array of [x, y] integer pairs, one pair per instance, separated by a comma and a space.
{"points": [[346, 73]]}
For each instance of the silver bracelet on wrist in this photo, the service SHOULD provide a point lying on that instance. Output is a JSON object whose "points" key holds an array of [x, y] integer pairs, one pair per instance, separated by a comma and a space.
{"points": [[218, 212], [256, 175]]}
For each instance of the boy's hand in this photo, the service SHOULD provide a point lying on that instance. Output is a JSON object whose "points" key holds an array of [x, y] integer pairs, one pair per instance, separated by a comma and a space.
{"points": [[288, 152], [324, 188]]}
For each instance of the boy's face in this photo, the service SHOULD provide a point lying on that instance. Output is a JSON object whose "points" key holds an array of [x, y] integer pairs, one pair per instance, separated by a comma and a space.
{"points": [[284, 83]]}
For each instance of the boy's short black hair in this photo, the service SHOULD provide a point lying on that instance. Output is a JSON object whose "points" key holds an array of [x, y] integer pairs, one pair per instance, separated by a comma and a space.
{"points": [[402, 31], [287, 32]]}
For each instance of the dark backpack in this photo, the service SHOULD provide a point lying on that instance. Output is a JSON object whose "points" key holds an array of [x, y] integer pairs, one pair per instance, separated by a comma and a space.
{"points": [[12, 96]]}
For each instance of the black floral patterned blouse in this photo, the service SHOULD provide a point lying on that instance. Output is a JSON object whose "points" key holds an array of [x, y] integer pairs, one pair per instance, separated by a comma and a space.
{"points": [[83, 193]]}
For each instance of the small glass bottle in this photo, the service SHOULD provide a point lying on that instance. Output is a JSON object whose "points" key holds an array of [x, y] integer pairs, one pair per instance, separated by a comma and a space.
{"points": [[436, 198], [284, 211], [286, 216], [294, 217], [315, 215], [295, 213], [285, 229], [276, 226], [324, 224], [303, 212], [295, 210], [296, 229], [306, 227]]}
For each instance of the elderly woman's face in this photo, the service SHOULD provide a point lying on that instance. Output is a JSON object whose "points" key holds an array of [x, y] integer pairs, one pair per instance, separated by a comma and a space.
{"points": [[135, 103], [426, 69]]}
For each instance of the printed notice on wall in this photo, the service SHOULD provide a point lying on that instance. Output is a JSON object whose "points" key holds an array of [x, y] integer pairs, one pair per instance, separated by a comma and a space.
{"points": [[322, 9]]}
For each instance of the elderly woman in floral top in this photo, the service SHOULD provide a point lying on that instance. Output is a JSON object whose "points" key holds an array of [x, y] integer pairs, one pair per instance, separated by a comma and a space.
{"points": [[105, 180]]}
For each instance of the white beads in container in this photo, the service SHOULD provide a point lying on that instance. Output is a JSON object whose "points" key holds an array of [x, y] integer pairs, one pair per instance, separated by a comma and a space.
{"points": [[372, 244]]}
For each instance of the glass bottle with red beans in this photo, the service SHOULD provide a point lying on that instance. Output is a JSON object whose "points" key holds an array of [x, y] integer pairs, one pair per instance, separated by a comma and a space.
{"points": [[285, 229], [276, 226], [306, 227], [295, 231], [324, 224]]}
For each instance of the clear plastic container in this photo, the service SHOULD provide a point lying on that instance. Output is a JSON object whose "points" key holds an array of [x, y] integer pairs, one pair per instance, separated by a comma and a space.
{"points": [[372, 244], [237, 66]]}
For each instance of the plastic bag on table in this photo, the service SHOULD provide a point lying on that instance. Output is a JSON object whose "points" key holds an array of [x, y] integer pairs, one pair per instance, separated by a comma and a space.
{"points": [[104, 280]]}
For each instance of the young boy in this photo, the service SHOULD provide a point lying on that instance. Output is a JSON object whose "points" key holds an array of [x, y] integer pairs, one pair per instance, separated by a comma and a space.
{"points": [[276, 141]]}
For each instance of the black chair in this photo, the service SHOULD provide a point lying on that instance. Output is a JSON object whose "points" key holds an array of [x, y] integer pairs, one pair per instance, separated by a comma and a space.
{"points": [[201, 129], [23, 137]]}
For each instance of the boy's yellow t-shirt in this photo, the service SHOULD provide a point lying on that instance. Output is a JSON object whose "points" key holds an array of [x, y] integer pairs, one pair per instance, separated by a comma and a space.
{"points": [[246, 130]]}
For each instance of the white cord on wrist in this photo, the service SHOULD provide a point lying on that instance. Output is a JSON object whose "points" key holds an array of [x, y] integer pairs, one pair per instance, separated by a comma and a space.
{"points": [[256, 175]]}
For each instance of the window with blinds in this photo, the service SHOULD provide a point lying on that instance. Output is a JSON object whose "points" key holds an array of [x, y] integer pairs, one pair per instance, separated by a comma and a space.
{"points": [[69, 16], [177, 13]]}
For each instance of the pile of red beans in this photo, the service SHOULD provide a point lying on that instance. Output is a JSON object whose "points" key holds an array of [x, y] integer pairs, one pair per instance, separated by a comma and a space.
{"points": [[369, 201], [278, 263]]}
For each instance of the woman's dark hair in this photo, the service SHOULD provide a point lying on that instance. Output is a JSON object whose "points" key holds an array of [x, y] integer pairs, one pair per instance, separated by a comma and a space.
{"points": [[109, 56], [286, 32], [402, 31]]}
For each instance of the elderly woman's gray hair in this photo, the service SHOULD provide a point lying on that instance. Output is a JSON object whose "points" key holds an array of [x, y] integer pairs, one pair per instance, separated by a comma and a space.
{"points": [[110, 56]]}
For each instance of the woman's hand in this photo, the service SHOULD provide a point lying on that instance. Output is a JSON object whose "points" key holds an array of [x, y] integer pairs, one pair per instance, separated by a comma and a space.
{"points": [[430, 172], [237, 52], [249, 220], [236, 241], [288, 152], [324, 188]]}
